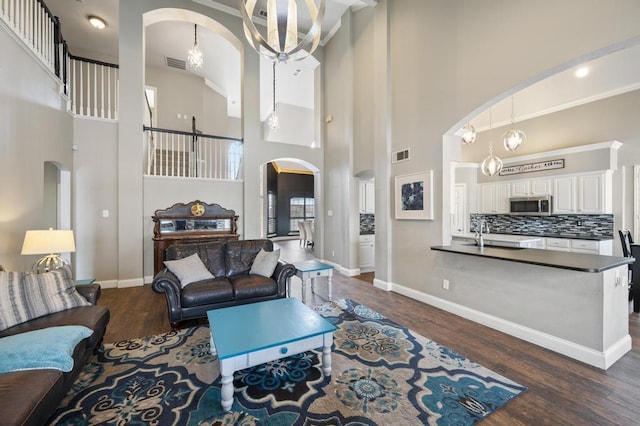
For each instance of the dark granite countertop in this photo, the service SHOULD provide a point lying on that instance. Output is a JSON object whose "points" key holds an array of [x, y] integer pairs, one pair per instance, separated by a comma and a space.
{"points": [[555, 259]]}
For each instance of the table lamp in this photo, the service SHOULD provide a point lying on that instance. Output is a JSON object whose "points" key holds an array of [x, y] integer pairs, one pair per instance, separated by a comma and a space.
{"points": [[50, 242]]}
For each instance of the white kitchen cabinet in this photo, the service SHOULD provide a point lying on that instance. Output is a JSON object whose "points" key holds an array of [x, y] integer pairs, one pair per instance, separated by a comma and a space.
{"points": [[367, 253], [592, 194], [494, 198], [558, 244], [367, 197], [527, 188], [604, 247], [583, 194]]}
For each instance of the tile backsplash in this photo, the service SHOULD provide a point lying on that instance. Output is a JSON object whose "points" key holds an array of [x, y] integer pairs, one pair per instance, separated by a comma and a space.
{"points": [[579, 226], [367, 223]]}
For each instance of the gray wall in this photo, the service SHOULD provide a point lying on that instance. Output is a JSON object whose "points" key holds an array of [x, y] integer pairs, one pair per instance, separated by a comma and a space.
{"points": [[446, 63], [34, 129], [184, 93]]}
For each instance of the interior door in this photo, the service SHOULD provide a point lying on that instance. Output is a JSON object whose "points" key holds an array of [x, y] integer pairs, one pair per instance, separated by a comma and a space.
{"points": [[459, 216]]}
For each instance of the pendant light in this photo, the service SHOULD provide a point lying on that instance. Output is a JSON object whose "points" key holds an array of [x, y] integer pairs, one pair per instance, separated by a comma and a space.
{"points": [[274, 122], [468, 134], [513, 138], [281, 40], [492, 164], [195, 58]]}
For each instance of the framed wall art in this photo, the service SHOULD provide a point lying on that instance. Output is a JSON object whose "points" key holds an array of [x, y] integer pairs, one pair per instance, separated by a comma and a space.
{"points": [[414, 196]]}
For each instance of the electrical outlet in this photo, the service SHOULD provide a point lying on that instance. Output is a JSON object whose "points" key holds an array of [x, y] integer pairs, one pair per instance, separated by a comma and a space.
{"points": [[579, 223], [445, 284], [333, 253]]}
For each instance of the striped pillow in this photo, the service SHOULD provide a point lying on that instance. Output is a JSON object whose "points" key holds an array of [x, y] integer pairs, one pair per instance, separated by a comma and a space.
{"points": [[25, 296]]}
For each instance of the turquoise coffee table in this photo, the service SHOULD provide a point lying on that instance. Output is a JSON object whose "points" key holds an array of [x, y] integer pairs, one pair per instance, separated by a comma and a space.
{"points": [[248, 335]]}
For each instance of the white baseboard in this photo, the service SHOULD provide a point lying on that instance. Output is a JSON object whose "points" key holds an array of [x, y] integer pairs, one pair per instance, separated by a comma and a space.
{"points": [[382, 285], [108, 284], [582, 353], [134, 282]]}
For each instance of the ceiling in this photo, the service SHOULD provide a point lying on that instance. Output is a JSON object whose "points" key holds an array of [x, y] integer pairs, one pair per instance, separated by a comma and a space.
{"points": [[610, 75]]}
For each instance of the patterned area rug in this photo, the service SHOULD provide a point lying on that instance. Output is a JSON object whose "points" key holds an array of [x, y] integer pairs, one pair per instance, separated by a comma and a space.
{"points": [[381, 374]]}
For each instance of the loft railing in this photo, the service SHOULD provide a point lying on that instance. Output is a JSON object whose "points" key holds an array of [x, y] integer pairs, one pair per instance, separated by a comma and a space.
{"points": [[35, 25], [94, 88], [174, 153]]}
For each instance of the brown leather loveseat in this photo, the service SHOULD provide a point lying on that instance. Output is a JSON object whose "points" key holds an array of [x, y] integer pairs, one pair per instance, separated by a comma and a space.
{"points": [[30, 397], [230, 263]]}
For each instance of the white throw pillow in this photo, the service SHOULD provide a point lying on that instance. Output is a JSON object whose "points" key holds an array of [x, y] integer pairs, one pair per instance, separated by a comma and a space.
{"points": [[189, 269], [265, 263]]}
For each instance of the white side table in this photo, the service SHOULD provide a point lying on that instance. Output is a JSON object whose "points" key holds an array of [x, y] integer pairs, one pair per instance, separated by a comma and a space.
{"points": [[312, 269]]}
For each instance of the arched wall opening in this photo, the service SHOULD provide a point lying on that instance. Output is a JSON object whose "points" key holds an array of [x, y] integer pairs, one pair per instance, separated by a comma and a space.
{"points": [[452, 145], [301, 169], [163, 192]]}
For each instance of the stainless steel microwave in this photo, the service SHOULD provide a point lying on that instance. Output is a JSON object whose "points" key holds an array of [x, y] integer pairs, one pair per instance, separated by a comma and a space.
{"points": [[538, 205]]}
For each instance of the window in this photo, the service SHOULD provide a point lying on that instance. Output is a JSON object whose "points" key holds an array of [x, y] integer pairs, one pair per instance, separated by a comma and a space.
{"points": [[271, 214], [300, 208], [235, 160]]}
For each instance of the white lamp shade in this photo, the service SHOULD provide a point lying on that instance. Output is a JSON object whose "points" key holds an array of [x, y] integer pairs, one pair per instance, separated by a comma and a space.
{"points": [[49, 241]]}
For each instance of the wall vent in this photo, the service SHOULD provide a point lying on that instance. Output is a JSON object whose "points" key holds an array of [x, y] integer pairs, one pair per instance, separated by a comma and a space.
{"points": [[175, 63], [398, 156]]}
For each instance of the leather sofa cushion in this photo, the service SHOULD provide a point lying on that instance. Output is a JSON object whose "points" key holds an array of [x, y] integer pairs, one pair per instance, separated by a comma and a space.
{"points": [[250, 286], [240, 255], [207, 292], [24, 395], [93, 317], [212, 255]]}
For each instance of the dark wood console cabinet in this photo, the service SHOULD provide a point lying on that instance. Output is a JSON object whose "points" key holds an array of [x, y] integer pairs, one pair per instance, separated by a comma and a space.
{"points": [[192, 222]]}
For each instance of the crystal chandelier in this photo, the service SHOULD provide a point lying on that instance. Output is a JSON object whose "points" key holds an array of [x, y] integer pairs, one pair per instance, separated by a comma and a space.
{"points": [[274, 122], [281, 41], [468, 134], [492, 164], [513, 138], [195, 58]]}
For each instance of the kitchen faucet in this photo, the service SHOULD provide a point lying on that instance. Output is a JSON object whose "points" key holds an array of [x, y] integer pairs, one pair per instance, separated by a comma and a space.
{"points": [[482, 226]]}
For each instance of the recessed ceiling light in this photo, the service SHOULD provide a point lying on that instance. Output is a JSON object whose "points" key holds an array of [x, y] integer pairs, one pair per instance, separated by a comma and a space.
{"points": [[97, 22], [582, 72]]}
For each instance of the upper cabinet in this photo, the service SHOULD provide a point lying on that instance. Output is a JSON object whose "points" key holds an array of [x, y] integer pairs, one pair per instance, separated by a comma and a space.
{"points": [[526, 188], [494, 197], [589, 193], [585, 193], [367, 196]]}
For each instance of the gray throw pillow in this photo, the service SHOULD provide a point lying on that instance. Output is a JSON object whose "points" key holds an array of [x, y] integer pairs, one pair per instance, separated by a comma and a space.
{"points": [[189, 269], [25, 296], [265, 263]]}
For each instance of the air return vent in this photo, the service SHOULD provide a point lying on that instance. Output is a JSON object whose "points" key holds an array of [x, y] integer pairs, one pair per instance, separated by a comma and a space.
{"points": [[398, 156], [175, 63]]}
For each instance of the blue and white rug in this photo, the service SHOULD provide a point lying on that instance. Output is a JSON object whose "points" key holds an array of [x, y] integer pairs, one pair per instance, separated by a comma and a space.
{"points": [[382, 374]]}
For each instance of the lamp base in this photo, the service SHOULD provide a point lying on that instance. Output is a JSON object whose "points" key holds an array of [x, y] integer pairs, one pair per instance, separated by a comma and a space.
{"points": [[49, 263]]}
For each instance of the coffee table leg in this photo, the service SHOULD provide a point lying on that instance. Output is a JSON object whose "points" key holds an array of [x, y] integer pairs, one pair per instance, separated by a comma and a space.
{"points": [[329, 283], [326, 354], [304, 288], [226, 392]]}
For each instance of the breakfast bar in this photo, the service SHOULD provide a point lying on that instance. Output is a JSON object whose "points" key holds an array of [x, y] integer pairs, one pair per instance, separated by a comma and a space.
{"points": [[572, 303]]}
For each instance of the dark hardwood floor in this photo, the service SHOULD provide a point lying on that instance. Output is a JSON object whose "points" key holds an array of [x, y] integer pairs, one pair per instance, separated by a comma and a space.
{"points": [[561, 391]]}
